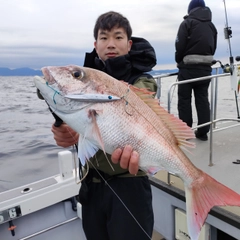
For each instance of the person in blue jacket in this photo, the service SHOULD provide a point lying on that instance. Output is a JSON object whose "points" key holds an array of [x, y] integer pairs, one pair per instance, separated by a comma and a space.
{"points": [[195, 45]]}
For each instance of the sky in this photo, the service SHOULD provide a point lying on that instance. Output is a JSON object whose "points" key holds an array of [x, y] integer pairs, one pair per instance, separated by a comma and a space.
{"points": [[37, 33]]}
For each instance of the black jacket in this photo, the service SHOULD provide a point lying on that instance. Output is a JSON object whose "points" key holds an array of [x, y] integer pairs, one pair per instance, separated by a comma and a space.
{"points": [[140, 59], [197, 35]]}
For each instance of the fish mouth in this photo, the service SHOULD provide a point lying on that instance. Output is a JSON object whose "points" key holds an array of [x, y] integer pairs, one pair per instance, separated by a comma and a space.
{"points": [[47, 78], [47, 75], [43, 80], [40, 79]]}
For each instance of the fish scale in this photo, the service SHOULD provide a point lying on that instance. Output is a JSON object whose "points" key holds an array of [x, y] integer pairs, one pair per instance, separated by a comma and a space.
{"points": [[127, 132]]}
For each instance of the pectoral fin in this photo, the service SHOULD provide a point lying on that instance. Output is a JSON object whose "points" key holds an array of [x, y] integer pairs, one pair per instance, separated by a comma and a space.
{"points": [[86, 149]]}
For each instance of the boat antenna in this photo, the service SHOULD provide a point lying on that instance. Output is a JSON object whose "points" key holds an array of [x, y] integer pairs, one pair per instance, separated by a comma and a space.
{"points": [[228, 35]]}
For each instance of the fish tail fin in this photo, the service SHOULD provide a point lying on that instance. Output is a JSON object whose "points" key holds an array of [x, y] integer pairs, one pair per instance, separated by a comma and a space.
{"points": [[201, 196]]}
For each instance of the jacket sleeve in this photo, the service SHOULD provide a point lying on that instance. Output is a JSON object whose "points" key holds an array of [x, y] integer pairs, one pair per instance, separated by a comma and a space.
{"points": [[215, 39], [181, 42], [147, 83]]}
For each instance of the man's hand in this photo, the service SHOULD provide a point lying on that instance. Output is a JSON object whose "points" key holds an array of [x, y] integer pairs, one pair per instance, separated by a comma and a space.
{"points": [[64, 135], [128, 158]]}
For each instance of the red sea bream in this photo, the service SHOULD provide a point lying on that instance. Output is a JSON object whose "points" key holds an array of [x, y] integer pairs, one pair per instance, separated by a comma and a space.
{"points": [[108, 114]]}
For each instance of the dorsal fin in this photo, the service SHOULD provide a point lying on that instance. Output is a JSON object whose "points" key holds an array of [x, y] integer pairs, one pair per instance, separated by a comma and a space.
{"points": [[179, 128]]}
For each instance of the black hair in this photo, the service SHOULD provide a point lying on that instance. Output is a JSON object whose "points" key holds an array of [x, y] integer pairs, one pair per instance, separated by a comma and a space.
{"points": [[109, 20]]}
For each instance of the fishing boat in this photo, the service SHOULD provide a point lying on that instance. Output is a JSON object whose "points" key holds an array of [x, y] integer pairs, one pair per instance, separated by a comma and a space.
{"points": [[48, 208]]}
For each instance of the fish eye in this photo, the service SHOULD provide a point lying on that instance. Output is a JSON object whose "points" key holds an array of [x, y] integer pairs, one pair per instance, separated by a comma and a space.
{"points": [[78, 74]]}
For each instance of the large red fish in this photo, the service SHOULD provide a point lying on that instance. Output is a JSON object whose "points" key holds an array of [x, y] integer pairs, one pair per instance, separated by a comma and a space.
{"points": [[108, 114]]}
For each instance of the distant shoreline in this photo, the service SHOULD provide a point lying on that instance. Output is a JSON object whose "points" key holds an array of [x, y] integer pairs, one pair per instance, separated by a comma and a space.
{"points": [[19, 72]]}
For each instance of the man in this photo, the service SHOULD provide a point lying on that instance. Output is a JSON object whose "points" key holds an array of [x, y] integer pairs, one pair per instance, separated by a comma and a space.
{"points": [[122, 207], [195, 44]]}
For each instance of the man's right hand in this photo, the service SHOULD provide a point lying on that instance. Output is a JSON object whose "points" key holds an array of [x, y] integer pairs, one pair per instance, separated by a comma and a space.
{"points": [[64, 135]]}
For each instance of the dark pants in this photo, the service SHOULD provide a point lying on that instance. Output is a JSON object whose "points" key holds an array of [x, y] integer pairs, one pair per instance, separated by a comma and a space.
{"points": [[107, 217], [200, 90]]}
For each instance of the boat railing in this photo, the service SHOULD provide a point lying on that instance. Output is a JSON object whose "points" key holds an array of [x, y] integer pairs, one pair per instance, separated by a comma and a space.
{"points": [[214, 88], [213, 101]]}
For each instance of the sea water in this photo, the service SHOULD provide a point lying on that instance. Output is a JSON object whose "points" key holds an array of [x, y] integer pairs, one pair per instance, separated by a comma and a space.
{"points": [[28, 151]]}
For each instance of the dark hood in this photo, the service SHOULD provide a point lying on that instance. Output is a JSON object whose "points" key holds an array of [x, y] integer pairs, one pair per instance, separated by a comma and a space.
{"points": [[202, 14], [142, 55], [141, 58]]}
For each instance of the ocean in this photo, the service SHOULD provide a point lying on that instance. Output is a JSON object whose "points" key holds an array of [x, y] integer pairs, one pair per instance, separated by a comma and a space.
{"points": [[28, 151]]}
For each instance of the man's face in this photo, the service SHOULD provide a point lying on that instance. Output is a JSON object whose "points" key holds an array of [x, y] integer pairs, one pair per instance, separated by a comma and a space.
{"points": [[111, 44]]}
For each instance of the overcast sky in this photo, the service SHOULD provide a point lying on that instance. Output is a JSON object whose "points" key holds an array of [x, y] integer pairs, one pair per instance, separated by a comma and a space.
{"points": [[37, 33]]}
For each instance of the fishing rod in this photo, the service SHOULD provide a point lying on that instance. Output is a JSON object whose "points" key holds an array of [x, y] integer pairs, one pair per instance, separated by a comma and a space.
{"points": [[228, 35]]}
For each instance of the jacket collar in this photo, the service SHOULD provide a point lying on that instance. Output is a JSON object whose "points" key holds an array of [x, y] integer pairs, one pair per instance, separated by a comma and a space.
{"points": [[141, 58]]}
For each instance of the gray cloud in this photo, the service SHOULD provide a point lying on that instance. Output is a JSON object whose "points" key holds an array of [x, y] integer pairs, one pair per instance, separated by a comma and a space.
{"points": [[39, 33]]}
